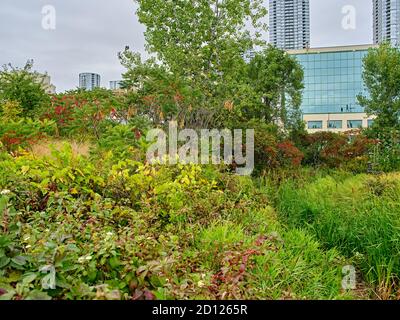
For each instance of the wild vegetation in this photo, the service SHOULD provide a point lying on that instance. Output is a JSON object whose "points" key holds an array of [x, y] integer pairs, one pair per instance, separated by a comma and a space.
{"points": [[83, 215], [357, 215]]}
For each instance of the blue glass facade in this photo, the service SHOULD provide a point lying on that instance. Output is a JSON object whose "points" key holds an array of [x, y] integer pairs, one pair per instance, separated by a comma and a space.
{"points": [[332, 79]]}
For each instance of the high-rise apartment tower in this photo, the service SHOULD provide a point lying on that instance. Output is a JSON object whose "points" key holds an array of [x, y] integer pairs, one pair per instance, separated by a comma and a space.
{"points": [[386, 15], [89, 81], [289, 24]]}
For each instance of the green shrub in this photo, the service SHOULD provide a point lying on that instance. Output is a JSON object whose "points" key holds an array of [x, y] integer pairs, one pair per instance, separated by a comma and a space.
{"points": [[76, 228], [334, 150], [124, 141], [386, 154], [25, 86], [23, 133]]}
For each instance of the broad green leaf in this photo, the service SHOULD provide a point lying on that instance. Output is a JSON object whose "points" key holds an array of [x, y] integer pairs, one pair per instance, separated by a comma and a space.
{"points": [[29, 277], [4, 261], [114, 262], [8, 295], [19, 260], [38, 295]]}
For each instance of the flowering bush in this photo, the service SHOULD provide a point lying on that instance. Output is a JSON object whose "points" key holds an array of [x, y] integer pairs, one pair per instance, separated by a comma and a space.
{"points": [[289, 154], [272, 153], [87, 113]]}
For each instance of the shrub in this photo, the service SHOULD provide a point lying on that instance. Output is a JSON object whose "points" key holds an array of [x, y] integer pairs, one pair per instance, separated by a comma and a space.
{"points": [[11, 110], [23, 133], [333, 150], [88, 114], [124, 141], [385, 156], [75, 228], [23, 86], [271, 150]]}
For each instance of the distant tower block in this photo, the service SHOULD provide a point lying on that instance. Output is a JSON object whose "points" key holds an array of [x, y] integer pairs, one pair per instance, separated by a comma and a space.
{"points": [[289, 24], [386, 15], [89, 81]]}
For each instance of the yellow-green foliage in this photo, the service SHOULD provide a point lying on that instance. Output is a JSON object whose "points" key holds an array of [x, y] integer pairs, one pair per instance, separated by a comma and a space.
{"points": [[75, 228], [10, 110]]}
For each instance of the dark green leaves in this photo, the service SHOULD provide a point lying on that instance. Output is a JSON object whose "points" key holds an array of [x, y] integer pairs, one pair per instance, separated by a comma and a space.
{"points": [[4, 261], [381, 77]]}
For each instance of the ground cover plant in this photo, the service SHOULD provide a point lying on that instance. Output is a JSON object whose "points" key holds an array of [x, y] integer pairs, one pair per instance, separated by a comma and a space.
{"points": [[84, 215], [135, 231]]}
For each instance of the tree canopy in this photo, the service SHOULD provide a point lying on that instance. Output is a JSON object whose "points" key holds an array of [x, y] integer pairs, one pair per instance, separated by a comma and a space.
{"points": [[198, 74], [23, 85], [381, 77], [278, 78]]}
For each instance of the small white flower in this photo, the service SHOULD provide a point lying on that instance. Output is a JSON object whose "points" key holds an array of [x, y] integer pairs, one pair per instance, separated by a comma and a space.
{"points": [[4, 192], [84, 258], [28, 246]]}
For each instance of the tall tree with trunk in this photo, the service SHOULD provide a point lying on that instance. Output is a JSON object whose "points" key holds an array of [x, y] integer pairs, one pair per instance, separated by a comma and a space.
{"points": [[203, 41], [278, 79]]}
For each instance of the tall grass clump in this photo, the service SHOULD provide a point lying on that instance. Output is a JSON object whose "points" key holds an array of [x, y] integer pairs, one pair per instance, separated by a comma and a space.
{"points": [[359, 215]]}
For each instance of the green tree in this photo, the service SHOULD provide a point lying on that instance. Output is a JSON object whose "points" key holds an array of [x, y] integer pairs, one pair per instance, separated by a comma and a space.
{"points": [[11, 110], [201, 42], [154, 91], [24, 86], [381, 77], [200, 38], [278, 79]]}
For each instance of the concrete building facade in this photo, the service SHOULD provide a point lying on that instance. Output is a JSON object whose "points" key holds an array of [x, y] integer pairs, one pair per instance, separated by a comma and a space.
{"points": [[89, 81], [45, 80], [289, 24], [386, 21]]}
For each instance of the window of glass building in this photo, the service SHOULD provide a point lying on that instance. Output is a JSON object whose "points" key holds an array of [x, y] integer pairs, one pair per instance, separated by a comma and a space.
{"points": [[354, 124], [370, 123], [332, 81], [335, 124], [314, 124]]}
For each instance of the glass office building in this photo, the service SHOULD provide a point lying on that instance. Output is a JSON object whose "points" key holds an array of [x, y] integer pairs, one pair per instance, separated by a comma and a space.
{"points": [[333, 80]]}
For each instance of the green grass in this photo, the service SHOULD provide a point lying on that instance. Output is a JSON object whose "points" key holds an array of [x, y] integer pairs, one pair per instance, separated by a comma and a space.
{"points": [[359, 215]]}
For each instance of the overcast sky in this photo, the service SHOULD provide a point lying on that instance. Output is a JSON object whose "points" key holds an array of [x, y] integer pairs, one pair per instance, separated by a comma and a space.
{"points": [[90, 33]]}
